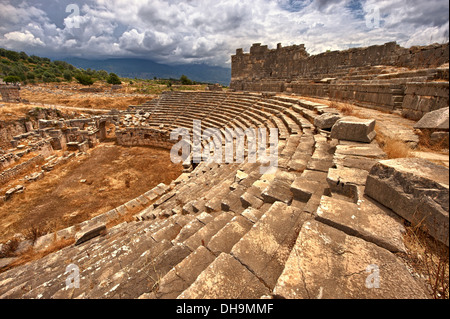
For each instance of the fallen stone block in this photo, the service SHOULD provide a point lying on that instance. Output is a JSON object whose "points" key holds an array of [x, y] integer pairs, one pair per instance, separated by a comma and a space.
{"points": [[89, 233], [435, 120], [302, 189], [359, 149], [415, 189], [278, 190], [354, 129], [240, 175], [326, 120]]}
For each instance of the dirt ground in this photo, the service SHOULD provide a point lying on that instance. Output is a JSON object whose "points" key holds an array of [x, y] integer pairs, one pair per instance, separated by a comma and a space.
{"points": [[113, 175]]}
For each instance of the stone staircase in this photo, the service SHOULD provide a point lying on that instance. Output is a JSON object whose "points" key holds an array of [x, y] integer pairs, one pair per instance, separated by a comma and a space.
{"points": [[231, 231]]}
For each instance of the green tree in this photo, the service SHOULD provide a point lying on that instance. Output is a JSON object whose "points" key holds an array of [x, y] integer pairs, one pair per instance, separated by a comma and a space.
{"points": [[102, 74], [12, 55], [185, 80], [48, 77], [84, 79], [23, 55], [113, 79], [31, 76], [11, 79], [67, 76]]}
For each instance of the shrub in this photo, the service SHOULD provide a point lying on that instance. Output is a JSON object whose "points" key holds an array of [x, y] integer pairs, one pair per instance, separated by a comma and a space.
{"points": [[48, 77], [67, 76], [113, 79], [185, 80], [12, 79], [84, 79], [12, 55], [31, 76]]}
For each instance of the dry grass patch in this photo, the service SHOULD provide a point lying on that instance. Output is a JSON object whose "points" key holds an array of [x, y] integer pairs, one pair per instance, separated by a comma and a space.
{"points": [[346, 109], [426, 145], [392, 147], [73, 97], [14, 111], [31, 254], [430, 259]]}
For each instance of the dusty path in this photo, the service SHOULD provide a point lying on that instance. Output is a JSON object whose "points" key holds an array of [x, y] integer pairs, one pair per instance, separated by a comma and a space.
{"points": [[70, 108]]}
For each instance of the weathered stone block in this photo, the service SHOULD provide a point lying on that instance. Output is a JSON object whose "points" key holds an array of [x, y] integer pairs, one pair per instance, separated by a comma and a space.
{"points": [[354, 129], [326, 121], [415, 189], [225, 278], [89, 233], [436, 120]]}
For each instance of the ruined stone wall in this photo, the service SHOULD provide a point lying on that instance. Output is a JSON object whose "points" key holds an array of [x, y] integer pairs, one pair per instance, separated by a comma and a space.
{"points": [[10, 173], [421, 98], [353, 75], [10, 93], [144, 137], [262, 63], [8, 130], [293, 62]]}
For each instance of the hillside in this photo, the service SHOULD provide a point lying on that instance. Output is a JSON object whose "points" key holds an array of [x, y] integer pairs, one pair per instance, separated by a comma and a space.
{"points": [[33, 69], [147, 69]]}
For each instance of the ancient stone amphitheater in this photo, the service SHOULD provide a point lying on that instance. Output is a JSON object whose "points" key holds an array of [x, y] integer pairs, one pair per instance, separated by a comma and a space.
{"points": [[328, 223]]}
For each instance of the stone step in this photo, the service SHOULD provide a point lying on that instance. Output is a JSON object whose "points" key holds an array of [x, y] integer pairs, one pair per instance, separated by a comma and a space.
{"points": [[367, 220], [265, 248], [180, 277], [225, 278], [230, 234], [326, 263], [204, 234]]}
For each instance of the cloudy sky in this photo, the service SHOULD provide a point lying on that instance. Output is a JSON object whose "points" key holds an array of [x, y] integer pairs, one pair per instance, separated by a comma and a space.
{"points": [[205, 31]]}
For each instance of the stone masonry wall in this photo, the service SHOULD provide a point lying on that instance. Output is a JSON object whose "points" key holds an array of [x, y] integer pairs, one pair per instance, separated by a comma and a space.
{"points": [[10, 93], [144, 137], [421, 98], [291, 63], [351, 76], [10, 173]]}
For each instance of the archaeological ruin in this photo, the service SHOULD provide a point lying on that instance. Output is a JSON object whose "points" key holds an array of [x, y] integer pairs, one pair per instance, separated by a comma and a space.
{"points": [[333, 214]]}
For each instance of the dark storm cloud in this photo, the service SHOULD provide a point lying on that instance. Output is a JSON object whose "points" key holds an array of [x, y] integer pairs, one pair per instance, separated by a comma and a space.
{"points": [[203, 31]]}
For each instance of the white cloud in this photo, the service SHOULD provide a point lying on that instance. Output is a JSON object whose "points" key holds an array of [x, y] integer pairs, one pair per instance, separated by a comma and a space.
{"points": [[209, 31], [21, 39]]}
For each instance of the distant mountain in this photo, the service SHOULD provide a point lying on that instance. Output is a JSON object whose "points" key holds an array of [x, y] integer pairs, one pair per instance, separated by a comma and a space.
{"points": [[147, 69]]}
